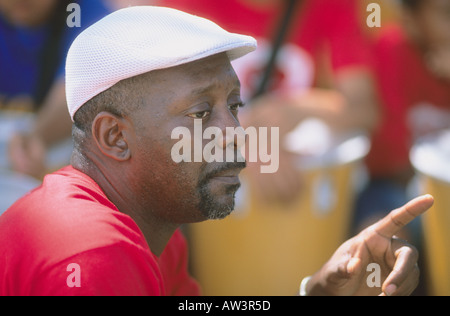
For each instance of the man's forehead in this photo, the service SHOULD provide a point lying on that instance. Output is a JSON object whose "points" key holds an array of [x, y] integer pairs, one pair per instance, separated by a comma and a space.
{"points": [[196, 74], [199, 66], [213, 85]]}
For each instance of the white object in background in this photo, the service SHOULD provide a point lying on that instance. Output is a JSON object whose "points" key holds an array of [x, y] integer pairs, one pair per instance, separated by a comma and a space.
{"points": [[318, 147], [311, 137], [431, 155]]}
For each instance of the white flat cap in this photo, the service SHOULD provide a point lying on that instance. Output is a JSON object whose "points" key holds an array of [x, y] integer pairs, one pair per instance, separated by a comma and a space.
{"points": [[139, 39]]}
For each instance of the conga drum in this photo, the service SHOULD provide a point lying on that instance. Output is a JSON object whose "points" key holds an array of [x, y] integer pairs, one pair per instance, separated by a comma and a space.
{"points": [[267, 249], [431, 158]]}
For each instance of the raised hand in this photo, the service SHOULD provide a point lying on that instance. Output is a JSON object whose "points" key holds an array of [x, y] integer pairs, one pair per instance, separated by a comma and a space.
{"points": [[345, 273]]}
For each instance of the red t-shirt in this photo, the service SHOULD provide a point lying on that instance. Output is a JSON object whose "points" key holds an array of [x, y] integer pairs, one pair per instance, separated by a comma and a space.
{"points": [[404, 84], [67, 238], [321, 30]]}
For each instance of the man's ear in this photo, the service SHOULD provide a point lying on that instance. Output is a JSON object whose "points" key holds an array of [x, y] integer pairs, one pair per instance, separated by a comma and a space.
{"points": [[109, 133]]}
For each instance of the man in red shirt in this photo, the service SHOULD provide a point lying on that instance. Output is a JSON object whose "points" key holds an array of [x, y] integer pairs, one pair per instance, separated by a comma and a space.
{"points": [[411, 74], [109, 224], [412, 68]]}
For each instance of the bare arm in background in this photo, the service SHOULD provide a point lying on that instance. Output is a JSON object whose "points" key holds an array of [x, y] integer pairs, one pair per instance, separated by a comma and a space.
{"points": [[27, 152]]}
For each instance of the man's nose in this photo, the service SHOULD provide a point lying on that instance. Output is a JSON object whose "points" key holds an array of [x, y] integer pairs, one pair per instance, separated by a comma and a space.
{"points": [[233, 135]]}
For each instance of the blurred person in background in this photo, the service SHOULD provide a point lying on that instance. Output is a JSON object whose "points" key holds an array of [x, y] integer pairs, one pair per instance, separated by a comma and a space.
{"points": [[321, 71], [412, 67], [34, 39]]}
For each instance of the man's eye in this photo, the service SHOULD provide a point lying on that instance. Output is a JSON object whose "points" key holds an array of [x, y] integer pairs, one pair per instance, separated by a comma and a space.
{"points": [[199, 115], [236, 106]]}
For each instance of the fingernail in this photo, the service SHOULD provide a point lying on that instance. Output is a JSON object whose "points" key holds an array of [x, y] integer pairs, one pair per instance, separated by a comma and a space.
{"points": [[390, 289]]}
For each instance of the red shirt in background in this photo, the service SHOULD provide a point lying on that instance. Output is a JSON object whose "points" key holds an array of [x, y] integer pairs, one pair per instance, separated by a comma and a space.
{"points": [[404, 84], [69, 220], [321, 30]]}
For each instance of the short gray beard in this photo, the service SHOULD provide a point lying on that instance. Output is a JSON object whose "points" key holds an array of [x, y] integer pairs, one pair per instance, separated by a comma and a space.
{"points": [[209, 206]]}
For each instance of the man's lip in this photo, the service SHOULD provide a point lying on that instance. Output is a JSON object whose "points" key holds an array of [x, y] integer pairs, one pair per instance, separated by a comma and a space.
{"points": [[230, 176], [227, 179]]}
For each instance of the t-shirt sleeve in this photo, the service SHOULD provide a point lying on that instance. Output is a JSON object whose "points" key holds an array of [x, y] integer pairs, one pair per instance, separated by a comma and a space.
{"points": [[116, 270]]}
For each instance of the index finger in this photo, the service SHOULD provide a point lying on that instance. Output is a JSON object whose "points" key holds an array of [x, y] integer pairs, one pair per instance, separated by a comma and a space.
{"points": [[399, 218]]}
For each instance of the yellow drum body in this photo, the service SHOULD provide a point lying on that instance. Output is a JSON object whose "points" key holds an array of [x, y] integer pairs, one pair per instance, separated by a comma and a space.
{"points": [[436, 226], [431, 158]]}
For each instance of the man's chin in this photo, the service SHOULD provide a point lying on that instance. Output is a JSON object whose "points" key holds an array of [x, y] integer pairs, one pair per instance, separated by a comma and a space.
{"points": [[220, 214], [217, 199], [215, 208]]}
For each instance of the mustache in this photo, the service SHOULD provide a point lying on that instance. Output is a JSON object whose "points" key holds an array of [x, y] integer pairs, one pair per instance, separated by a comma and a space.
{"points": [[221, 167]]}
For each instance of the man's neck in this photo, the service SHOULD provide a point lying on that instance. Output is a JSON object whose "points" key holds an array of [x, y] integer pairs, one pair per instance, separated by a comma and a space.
{"points": [[156, 232]]}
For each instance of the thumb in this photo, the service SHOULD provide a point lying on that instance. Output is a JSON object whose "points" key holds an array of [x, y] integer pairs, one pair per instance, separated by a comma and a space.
{"points": [[345, 271], [354, 266], [343, 278]]}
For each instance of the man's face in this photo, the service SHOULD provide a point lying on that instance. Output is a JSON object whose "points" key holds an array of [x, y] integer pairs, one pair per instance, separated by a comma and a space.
{"points": [[185, 192], [432, 19], [429, 25], [27, 13]]}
